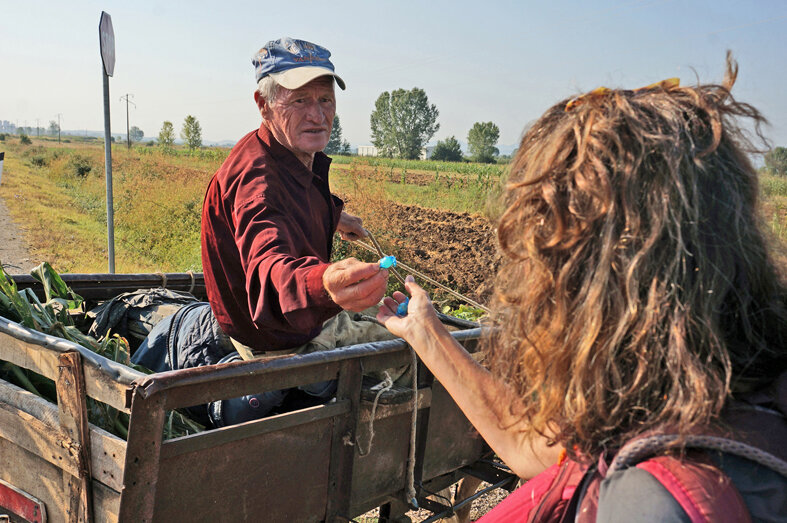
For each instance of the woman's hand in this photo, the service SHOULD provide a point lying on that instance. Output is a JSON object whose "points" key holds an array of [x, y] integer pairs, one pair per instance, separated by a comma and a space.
{"points": [[420, 320], [485, 399]]}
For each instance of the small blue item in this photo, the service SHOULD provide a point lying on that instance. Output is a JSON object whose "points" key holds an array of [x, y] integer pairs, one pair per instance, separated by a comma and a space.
{"points": [[386, 262], [401, 310]]}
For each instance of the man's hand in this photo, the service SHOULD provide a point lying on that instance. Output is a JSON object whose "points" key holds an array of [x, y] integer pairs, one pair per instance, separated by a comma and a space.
{"points": [[350, 227], [354, 285]]}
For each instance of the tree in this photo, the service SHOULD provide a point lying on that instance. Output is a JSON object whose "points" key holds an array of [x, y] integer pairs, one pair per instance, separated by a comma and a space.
{"points": [[336, 145], [54, 127], [776, 161], [447, 150], [402, 122], [136, 134], [481, 142], [166, 136], [191, 133]]}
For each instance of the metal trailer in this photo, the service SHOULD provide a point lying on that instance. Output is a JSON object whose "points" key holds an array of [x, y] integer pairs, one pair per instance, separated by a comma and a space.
{"points": [[303, 465]]}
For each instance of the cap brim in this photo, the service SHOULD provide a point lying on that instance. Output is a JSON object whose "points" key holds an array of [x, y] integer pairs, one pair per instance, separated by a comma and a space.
{"points": [[300, 76]]}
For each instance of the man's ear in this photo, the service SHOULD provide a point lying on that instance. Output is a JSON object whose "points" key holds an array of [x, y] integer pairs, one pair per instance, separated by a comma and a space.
{"points": [[259, 100]]}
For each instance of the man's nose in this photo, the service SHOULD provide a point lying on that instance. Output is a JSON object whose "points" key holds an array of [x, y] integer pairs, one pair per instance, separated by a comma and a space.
{"points": [[315, 112]]}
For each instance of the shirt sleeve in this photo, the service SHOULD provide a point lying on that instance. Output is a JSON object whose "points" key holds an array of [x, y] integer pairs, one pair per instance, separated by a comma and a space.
{"points": [[283, 279], [635, 495]]}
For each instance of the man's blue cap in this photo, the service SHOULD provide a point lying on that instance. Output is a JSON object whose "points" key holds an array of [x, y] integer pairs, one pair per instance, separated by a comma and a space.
{"points": [[293, 63]]}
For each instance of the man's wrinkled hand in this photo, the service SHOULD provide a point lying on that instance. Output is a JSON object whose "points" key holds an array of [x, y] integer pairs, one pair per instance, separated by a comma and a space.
{"points": [[350, 227], [354, 285]]}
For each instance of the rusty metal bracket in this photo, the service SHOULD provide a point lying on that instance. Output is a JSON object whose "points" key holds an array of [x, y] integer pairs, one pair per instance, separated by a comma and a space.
{"points": [[142, 457]]}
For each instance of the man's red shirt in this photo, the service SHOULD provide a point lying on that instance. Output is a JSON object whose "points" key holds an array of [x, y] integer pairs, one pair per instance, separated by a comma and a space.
{"points": [[267, 231]]}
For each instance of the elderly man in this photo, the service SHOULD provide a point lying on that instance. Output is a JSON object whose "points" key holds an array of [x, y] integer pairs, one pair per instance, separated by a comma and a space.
{"points": [[269, 217]]}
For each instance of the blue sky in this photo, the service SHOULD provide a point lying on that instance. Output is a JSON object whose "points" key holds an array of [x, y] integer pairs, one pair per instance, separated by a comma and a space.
{"points": [[499, 61]]}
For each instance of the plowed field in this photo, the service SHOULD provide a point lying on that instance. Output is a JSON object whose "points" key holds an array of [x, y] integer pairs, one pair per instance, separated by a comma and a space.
{"points": [[456, 249]]}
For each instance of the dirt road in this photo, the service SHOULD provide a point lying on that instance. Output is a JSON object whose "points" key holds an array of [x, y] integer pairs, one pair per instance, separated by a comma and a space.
{"points": [[14, 251]]}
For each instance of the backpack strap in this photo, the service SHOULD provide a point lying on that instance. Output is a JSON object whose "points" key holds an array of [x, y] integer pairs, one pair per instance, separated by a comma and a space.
{"points": [[640, 449], [702, 490]]}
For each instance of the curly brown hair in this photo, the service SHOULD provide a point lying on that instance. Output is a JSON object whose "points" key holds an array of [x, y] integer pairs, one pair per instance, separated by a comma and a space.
{"points": [[636, 290]]}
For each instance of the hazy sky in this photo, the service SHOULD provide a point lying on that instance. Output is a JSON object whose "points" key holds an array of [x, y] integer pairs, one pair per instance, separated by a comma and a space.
{"points": [[498, 61]]}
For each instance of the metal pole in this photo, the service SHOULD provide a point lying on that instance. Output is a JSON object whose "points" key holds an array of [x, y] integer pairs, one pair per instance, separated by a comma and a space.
{"points": [[128, 133], [108, 169]]}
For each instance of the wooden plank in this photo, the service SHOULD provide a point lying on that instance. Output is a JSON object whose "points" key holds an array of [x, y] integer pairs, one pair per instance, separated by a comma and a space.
{"points": [[279, 476], [106, 286], [72, 404], [43, 440], [44, 480], [224, 435], [343, 443], [30, 473], [386, 411], [32, 423], [105, 380]]}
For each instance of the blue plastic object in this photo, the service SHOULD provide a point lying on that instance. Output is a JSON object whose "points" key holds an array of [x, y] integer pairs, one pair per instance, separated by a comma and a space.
{"points": [[386, 262], [401, 310]]}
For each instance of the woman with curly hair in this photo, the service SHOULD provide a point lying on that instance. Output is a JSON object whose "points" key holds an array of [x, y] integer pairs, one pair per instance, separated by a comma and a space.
{"points": [[636, 308]]}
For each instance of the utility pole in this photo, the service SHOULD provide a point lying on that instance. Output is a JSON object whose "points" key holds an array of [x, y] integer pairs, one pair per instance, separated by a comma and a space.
{"points": [[38, 129], [58, 127], [128, 132]]}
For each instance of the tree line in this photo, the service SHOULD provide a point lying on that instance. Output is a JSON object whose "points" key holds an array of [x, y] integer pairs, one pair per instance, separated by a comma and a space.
{"points": [[190, 133], [404, 121]]}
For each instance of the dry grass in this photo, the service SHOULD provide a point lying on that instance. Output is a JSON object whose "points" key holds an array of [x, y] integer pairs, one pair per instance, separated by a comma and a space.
{"points": [[56, 192]]}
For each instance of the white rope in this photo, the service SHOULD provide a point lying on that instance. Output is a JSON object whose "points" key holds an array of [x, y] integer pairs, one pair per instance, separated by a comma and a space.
{"points": [[411, 494], [191, 287], [385, 386]]}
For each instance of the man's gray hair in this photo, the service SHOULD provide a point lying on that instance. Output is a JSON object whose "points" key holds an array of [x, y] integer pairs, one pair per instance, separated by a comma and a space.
{"points": [[268, 89]]}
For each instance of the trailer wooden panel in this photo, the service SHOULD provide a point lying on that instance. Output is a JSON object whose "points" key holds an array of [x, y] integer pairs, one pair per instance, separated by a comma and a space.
{"points": [[313, 464]]}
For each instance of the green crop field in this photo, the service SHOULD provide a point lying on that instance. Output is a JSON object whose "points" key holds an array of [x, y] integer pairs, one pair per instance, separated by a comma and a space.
{"points": [[57, 193]]}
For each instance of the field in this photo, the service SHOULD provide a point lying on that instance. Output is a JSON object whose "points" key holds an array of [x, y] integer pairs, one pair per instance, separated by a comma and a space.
{"points": [[436, 217], [57, 193]]}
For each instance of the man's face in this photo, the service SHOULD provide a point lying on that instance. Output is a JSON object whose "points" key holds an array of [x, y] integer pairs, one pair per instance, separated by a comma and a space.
{"points": [[301, 119]]}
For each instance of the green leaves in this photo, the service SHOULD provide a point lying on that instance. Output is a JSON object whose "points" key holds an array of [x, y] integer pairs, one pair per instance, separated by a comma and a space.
{"points": [[402, 122], [53, 317], [447, 150], [166, 136], [481, 141], [191, 132], [54, 286], [336, 145], [464, 312], [776, 161]]}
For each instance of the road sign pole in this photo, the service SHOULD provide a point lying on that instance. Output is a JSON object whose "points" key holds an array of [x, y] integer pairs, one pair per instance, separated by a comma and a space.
{"points": [[108, 169], [106, 37]]}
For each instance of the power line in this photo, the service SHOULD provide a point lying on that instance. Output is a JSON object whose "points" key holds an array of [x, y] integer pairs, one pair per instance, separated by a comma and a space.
{"points": [[128, 132]]}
